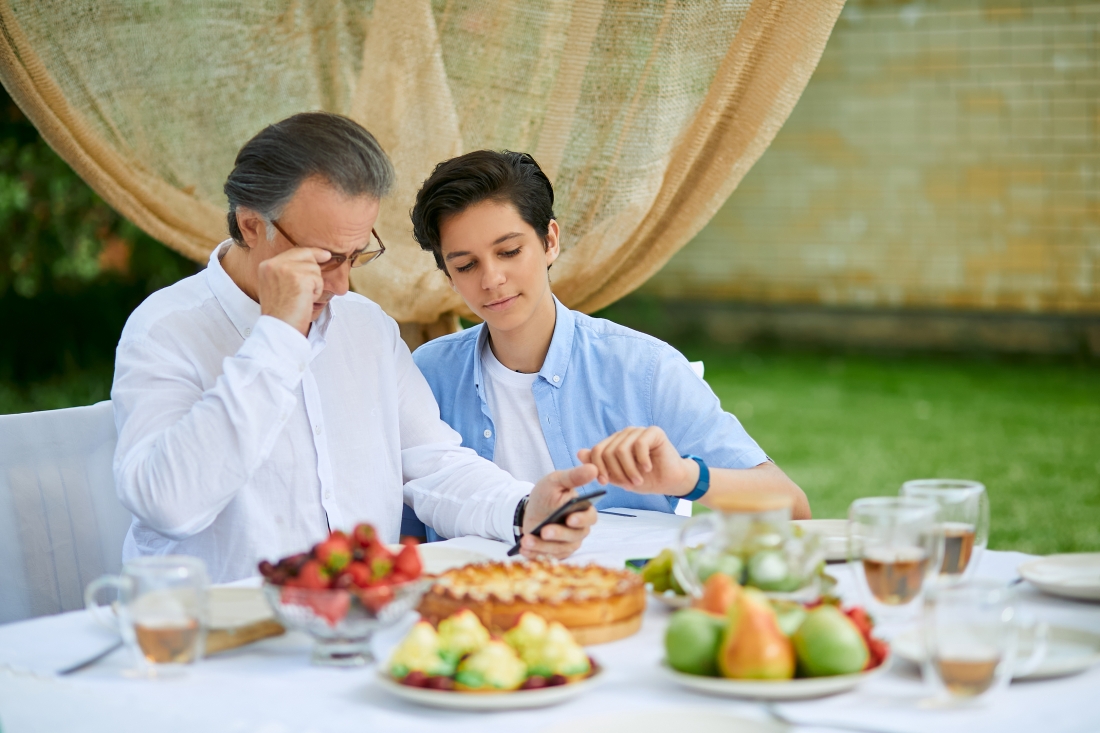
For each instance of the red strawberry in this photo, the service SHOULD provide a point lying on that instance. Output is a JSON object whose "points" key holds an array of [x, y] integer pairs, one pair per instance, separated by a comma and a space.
{"points": [[331, 606], [364, 536], [335, 552], [312, 575], [408, 562], [359, 573], [397, 578], [376, 597]]}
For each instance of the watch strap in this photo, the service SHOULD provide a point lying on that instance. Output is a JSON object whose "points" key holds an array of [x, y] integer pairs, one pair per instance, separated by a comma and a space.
{"points": [[703, 484], [517, 518]]}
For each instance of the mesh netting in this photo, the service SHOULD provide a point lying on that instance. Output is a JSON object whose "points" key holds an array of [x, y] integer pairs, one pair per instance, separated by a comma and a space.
{"points": [[644, 114]]}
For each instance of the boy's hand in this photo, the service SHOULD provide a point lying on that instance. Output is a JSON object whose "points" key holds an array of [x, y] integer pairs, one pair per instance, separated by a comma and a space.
{"points": [[642, 460], [558, 541]]}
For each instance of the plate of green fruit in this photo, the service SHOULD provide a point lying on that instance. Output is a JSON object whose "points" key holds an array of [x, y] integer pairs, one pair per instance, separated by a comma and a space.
{"points": [[736, 642]]}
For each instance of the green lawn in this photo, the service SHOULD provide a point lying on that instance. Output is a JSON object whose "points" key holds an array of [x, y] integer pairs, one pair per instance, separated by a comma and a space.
{"points": [[857, 426], [845, 427]]}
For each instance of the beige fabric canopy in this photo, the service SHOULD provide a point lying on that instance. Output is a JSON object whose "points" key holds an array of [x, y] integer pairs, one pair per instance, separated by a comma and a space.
{"points": [[644, 114]]}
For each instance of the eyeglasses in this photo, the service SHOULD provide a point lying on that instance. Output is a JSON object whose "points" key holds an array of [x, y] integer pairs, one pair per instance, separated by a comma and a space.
{"points": [[356, 259]]}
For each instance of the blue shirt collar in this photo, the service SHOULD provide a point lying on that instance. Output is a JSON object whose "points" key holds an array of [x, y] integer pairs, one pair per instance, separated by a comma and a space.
{"points": [[556, 364]]}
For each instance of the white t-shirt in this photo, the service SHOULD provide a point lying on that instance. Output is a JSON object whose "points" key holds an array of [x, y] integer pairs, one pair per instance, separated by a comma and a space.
{"points": [[520, 445]]}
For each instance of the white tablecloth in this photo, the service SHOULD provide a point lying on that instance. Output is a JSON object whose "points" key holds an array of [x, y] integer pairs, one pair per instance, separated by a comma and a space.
{"points": [[270, 687]]}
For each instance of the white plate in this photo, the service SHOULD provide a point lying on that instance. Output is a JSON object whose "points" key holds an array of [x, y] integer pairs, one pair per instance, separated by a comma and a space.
{"points": [[1068, 651], [515, 700], [833, 533], [663, 721], [796, 689], [439, 558], [1072, 576]]}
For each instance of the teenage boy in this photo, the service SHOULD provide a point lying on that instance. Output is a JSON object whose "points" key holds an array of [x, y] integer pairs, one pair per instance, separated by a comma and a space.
{"points": [[538, 387]]}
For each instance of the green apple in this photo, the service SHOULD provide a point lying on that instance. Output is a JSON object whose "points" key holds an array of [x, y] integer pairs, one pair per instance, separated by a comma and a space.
{"points": [[691, 641], [828, 643]]}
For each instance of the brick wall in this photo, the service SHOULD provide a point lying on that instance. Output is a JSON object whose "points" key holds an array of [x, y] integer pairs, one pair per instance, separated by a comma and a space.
{"points": [[946, 154]]}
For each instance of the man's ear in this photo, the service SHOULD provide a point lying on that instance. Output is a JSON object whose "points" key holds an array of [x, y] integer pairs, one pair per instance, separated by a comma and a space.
{"points": [[552, 243], [253, 227]]}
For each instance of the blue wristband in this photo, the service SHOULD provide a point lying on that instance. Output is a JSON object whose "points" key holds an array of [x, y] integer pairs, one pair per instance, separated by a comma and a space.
{"points": [[703, 484]]}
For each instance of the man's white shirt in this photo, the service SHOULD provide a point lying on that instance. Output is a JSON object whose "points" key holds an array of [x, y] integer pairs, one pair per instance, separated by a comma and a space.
{"points": [[239, 439], [520, 445]]}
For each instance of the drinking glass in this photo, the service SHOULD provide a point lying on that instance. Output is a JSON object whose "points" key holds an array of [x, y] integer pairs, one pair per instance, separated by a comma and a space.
{"points": [[894, 545], [964, 517], [971, 632], [161, 612]]}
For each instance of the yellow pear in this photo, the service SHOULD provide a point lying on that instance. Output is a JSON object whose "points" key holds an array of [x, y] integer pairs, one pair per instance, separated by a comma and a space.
{"points": [[754, 647]]}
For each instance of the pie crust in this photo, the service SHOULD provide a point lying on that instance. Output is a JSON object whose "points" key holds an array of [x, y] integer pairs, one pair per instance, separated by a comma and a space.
{"points": [[595, 603]]}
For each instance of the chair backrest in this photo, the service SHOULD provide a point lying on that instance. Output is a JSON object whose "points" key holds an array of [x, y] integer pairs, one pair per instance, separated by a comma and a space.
{"points": [[61, 523]]}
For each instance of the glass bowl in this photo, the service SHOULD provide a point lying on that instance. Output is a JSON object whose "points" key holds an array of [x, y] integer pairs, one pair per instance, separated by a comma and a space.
{"points": [[342, 621]]}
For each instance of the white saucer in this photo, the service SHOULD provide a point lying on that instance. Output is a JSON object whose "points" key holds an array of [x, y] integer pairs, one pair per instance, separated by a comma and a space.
{"points": [[1068, 651], [1071, 576], [514, 700], [796, 689], [833, 533]]}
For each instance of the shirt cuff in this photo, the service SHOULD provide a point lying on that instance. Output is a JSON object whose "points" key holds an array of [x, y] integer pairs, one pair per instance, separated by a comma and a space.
{"points": [[505, 511], [278, 347]]}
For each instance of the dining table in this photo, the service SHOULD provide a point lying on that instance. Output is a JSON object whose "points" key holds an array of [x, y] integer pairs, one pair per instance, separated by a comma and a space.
{"points": [[271, 686]]}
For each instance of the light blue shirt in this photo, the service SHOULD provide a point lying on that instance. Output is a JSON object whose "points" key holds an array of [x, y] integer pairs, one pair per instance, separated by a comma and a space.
{"points": [[598, 378]]}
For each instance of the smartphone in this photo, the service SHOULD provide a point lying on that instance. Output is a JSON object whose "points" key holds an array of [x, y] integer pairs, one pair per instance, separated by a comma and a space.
{"points": [[576, 504]]}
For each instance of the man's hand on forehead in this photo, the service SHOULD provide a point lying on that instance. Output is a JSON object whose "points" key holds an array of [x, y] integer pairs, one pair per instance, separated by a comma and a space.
{"points": [[290, 283]]}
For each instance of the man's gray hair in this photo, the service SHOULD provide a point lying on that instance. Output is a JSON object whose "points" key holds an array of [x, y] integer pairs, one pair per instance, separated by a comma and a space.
{"points": [[272, 165]]}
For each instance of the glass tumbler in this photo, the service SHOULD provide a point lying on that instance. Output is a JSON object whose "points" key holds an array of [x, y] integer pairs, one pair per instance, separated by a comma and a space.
{"points": [[894, 545], [971, 633], [161, 612], [964, 517]]}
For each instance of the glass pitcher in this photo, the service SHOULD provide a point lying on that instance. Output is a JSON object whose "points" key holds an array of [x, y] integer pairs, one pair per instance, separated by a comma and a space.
{"points": [[750, 538]]}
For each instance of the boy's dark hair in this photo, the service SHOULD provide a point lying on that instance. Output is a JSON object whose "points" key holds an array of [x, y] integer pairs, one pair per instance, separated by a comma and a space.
{"points": [[483, 175], [273, 164]]}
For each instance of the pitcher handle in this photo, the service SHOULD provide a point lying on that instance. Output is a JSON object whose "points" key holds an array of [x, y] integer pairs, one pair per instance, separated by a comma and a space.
{"points": [[107, 616], [681, 568]]}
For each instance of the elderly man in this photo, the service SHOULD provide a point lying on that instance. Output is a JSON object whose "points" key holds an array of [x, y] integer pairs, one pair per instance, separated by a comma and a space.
{"points": [[259, 404]]}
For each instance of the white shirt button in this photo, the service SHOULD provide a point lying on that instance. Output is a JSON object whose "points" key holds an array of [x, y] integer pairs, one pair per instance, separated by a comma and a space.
{"points": [[488, 433], [317, 429], [557, 378], [247, 332], [328, 494]]}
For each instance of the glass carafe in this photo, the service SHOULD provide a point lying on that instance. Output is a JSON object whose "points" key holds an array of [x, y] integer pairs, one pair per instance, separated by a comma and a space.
{"points": [[750, 538]]}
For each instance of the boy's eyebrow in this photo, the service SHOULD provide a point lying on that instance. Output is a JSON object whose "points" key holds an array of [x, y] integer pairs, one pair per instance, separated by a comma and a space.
{"points": [[502, 238]]}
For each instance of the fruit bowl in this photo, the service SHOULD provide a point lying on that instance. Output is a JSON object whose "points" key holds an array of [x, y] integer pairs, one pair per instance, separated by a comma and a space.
{"points": [[340, 620]]}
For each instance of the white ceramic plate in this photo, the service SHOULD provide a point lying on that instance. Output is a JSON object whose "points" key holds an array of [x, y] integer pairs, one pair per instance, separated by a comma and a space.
{"points": [[439, 558], [516, 700], [1068, 651], [833, 533], [797, 689], [663, 721], [1072, 576]]}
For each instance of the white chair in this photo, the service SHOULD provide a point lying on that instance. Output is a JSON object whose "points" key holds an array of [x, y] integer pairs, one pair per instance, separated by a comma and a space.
{"points": [[61, 524]]}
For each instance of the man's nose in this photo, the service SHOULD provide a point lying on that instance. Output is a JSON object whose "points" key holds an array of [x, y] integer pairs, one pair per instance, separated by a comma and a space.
{"points": [[337, 281]]}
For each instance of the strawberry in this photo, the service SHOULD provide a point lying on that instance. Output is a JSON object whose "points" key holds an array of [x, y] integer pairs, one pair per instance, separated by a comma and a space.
{"points": [[364, 536], [311, 575], [335, 552], [359, 573], [331, 606], [408, 562], [380, 569], [397, 578], [375, 598]]}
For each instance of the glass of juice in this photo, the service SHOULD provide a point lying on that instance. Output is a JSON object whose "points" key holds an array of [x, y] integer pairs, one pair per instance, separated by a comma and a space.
{"points": [[894, 546], [971, 633], [964, 517], [161, 611]]}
